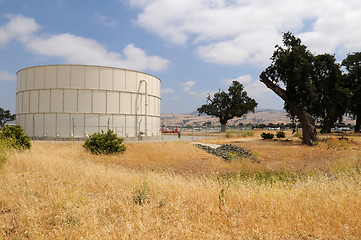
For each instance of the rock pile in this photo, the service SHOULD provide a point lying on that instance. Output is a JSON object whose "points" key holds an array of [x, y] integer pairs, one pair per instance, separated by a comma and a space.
{"points": [[226, 151]]}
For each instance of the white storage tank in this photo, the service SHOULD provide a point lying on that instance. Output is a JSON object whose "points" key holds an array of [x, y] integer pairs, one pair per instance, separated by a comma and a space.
{"points": [[74, 101]]}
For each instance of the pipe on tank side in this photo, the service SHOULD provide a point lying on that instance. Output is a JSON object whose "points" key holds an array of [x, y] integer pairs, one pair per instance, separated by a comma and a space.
{"points": [[146, 105]]}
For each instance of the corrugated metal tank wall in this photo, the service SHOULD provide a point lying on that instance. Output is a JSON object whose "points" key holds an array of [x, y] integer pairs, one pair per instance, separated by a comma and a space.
{"points": [[66, 101]]}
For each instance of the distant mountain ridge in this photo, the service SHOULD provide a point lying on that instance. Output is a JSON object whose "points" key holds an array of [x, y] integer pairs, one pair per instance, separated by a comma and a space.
{"points": [[260, 116]]}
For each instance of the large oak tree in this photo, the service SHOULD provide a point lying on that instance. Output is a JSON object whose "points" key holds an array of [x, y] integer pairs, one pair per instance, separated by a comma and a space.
{"points": [[310, 85], [226, 106], [292, 66]]}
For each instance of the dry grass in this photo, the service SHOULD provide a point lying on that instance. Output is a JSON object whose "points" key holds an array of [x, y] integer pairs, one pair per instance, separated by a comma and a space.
{"points": [[59, 191]]}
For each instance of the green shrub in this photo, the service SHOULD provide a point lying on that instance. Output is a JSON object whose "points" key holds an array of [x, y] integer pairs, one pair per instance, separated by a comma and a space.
{"points": [[280, 134], [267, 135], [16, 137], [104, 143]]}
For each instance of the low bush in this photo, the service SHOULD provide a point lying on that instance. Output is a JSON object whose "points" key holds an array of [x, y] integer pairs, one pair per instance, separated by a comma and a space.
{"points": [[104, 143], [280, 134], [267, 135], [15, 137]]}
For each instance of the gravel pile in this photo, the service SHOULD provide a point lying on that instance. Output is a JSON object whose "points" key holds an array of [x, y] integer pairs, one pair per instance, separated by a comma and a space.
{"points": [[226, 151]]}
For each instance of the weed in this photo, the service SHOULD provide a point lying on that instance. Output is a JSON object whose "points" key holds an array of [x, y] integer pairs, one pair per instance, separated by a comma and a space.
{"points": [[221, 199], [228, 134], [140, 195], [339, 144], [247, 134]]}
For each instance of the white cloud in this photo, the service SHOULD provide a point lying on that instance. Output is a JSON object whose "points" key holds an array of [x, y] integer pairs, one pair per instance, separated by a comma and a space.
{"points": [[167, 90], [245, 79], [240, 31], [18, 27], [104, 20], [254, 88], [187, 85], [77, 49], [6, 76]]}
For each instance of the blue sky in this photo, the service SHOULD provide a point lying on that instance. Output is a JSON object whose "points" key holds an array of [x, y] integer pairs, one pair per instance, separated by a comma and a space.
{"points": [[194, 46]]}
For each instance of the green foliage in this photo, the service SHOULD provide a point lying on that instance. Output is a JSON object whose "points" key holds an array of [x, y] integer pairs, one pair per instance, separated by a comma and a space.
{"points": [[331, 98], [352, 63], [104, 143], [247, 133], [281, 134], [261, 178], [267, 135], [5, 116], [16, 137], [228, 134], [226, 106]]}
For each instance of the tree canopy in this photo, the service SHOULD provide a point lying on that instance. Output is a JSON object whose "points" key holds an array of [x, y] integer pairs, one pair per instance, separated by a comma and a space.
{"points": [[226, 106], [352, 63], [5, 116], [331, 97]]}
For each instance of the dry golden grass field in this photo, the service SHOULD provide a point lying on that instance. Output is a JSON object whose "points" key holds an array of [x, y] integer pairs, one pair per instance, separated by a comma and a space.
{"points": [[173, 190]]}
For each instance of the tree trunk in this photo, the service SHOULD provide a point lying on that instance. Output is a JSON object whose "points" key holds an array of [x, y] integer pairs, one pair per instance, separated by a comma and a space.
{"points": [[326, 126], [223, 127], [358, 123], [307, 121]]}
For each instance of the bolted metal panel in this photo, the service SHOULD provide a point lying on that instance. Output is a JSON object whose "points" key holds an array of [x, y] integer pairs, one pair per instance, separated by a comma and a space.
{"points": [[50, 125], [112, 102], [63, 125], [106, 78], [119, 79], [39, 77], [91, 124], [77, 75], [19, 103], [77, 125], [30, 79], [44, 101], [99, 101], [29, 124], [38, 125], [34, 101], [50, 76], [63, 77], [70, 101], [131, 81], [125, 103], [26, 102], [56, 100], [84, 101], [92, 77]]}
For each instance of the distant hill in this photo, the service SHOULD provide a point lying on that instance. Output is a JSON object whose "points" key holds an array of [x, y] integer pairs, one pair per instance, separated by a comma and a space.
{"points": [[260, 116]]}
